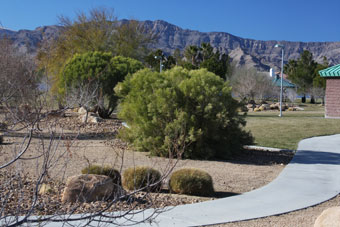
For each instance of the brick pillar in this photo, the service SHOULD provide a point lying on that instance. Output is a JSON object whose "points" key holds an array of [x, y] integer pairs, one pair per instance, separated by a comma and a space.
{"points": [[332, 108]]}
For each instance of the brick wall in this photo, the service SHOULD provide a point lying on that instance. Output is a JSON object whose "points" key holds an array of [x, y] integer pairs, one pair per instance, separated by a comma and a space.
{"points": [[332, 98]]}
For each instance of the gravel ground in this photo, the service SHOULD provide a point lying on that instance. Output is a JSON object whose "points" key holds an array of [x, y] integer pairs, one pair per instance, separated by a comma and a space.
{"points": [[96, 144]]}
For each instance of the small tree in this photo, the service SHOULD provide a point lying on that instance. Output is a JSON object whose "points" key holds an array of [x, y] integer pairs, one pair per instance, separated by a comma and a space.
{"points": [[319, 83], [153, 60], [86, 69], [249, 84], [132, 40], [99, 30], [304, 73], [204, 56], [190, 112]]}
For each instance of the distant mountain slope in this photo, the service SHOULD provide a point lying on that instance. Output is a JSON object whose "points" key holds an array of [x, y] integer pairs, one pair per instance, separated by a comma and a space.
{"points": [[261, 54]]}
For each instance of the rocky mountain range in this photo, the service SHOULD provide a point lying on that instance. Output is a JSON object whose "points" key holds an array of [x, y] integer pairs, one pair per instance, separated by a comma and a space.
{"points": [[260, 54]]}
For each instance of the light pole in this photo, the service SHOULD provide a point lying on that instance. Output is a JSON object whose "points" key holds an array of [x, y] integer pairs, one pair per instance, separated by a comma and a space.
{"points": [[281, 87], [160, 62]]}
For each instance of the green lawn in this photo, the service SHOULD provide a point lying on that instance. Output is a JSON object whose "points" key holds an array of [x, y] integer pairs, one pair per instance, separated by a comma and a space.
{"points": [[270, 130]]}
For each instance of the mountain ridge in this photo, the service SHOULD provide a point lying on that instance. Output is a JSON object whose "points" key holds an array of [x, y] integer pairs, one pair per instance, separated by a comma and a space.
{"points": [[257, 53]]}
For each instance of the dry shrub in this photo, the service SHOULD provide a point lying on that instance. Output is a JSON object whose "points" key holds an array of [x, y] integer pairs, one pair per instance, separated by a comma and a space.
{"points": [[104, 170], [191, 182], [142, 177]]}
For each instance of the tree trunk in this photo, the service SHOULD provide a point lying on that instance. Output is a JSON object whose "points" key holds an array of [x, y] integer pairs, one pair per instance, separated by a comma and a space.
{"points": [[312, 99], [303, 99]]}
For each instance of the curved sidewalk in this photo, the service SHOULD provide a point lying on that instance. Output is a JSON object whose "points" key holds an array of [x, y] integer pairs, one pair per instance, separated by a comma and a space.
{"points": [[312, 177]]}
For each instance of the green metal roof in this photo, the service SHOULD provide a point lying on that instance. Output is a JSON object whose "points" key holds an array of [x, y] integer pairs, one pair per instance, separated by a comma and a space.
{"points": [[285, 83], [333, 71]]}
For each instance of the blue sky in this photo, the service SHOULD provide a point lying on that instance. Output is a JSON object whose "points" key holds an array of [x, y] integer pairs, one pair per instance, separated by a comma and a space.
{"points": [[292, 20]]}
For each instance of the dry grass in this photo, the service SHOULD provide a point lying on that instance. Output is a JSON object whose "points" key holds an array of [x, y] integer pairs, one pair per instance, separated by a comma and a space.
{"points": [[270, 130]]}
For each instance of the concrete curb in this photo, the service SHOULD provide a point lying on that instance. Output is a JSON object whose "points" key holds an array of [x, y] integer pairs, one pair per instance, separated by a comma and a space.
{"points": [[259, 148]]}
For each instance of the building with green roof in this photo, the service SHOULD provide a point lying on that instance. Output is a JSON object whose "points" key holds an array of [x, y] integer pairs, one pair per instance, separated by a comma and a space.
{"points": [[285, 83], [332, 106]]}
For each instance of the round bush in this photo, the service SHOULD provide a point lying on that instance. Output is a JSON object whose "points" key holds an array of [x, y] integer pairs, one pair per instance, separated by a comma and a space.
{"points": [[191, 182], [106, 170], [184, 113], [140, 177]]}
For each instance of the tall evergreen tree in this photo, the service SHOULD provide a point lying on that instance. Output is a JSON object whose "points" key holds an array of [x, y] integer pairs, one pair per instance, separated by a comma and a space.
{"points": [[302, 72]]}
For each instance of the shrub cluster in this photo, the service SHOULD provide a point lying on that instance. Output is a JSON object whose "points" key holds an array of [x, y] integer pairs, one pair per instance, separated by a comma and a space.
{"points": [[139, 177], [180, 112], [191, 182], [106, 170]]}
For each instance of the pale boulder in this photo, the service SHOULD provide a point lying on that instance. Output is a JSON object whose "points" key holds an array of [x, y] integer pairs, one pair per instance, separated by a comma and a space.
{"points": [[91, 118], [329, 218], [82, 110], [250, 106], [89, 188], [45, 189]]}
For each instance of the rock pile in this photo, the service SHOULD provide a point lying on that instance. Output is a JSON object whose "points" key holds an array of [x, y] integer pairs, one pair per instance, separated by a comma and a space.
{"points": [[88, 117], [274, 106]]}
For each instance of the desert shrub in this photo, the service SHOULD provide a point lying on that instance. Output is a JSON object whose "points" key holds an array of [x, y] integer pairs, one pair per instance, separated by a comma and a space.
{"points": [[103, 170], [180, 112], [191, 182], [139, 177]]}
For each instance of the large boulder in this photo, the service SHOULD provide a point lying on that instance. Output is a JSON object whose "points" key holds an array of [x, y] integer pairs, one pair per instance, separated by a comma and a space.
{"points": [[329, 218], [89, 188]]}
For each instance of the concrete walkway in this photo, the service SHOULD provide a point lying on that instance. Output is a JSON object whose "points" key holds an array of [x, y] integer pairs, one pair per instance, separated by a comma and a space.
{"points": [[312, 177]]}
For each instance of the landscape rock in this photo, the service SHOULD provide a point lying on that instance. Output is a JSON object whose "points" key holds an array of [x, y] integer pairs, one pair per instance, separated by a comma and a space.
{"points": [[329, 218], [45, 189], [266, 106], [82, 110], [89, 188], [262, 108], [273, 107], [91, 118]]}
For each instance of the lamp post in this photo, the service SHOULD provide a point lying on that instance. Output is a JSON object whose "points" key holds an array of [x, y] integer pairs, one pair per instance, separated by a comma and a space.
{"points": [[160, 62], [281, 87]]}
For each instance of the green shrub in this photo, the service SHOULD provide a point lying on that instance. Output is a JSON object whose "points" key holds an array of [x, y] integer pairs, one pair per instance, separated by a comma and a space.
{"points": [[180, 112], [191, 182], [107, 171], [139, 177]]}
